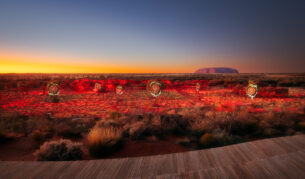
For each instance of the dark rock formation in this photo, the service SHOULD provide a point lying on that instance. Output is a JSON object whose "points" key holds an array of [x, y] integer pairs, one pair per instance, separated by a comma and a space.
{"points": [[216, 70]]}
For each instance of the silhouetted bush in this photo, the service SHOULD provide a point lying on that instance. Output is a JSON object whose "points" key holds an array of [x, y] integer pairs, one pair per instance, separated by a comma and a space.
{"points": [[136, 130], [38, 137], [207, 140], [270, 132], [68, 131], [174, 124], [4, 137], [218, 138], [245, 127], [59, 150], [301, 125]]}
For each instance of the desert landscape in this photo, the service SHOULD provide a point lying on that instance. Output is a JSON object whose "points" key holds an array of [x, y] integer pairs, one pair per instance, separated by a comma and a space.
{"points": [[152, 89], [193, 111]]}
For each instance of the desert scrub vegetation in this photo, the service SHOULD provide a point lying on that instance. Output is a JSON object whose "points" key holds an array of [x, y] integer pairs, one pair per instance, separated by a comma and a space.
{"points": [[4, 137], [59, 151], [14, 123], [103, 141], [217, 138], [301, 126], [38, 137]]}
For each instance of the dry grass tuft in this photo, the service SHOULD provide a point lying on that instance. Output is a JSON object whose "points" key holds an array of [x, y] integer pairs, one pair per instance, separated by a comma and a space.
{"points": [[103, 141]]}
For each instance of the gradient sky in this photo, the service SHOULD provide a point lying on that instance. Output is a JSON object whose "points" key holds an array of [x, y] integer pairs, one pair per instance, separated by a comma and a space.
{"points": [[157, 36]]}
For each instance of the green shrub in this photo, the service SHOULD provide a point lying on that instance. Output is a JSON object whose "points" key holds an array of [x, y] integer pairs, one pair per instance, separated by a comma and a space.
{"points": [[59, 151], [103, 141]]}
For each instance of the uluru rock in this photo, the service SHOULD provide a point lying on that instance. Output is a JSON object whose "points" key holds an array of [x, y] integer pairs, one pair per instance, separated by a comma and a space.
{"points": [[216, 70]]}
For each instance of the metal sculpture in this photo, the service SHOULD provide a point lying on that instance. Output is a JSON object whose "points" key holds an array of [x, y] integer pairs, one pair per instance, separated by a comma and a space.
{"points": [[252, 89], [119, 90], [53, 89], [154, 88]]}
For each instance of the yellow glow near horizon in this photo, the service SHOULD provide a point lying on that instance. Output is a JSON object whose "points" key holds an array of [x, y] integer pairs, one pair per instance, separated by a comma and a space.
{"points": [[24, 62], [13, 62], [35, 67]]}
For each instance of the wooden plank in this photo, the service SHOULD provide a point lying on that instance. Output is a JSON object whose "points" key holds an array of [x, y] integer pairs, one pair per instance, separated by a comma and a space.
{"points": [[133, 166], [54, 172], [13, 170], [127, 164], [91, 169], [72, 170], [268, 147]]}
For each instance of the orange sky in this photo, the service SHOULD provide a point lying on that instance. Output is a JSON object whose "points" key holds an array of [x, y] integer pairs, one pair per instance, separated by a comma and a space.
{"points": [[24, 61], [12, 62]]}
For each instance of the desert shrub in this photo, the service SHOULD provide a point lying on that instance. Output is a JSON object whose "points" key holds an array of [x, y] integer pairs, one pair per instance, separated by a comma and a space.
{"points": [[114, 115], [270, 132], [290, 132], [200, 126], [245, 124], [196, 128], [301, 125], [59, 150], [224, 138], [4, 137], [103, 141], [278, 121], [40, 125], [72, 127], [224, 120], [13, 124], [38, 137], [174, 124], [107, 123], [68, 131], [136, 130], [247, 127], [218, 138], [207, 140], [153, 126]]}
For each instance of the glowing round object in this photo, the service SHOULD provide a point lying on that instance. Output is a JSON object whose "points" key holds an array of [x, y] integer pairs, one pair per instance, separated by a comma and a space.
{"points": [[119, 90], [154, 88], [97, 87], [197, 87], [251, 90], [53, 89]]}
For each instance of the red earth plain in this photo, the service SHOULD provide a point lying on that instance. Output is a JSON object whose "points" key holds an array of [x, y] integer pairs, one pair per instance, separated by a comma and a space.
{"points": [[189, 110]]}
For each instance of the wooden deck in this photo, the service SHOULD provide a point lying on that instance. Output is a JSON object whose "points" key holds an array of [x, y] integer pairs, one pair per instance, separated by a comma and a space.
{"points": [[282, 157]]}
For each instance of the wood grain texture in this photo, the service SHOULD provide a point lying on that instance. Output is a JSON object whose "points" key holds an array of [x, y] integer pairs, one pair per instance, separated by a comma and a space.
{"points": [[282, 157]]}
